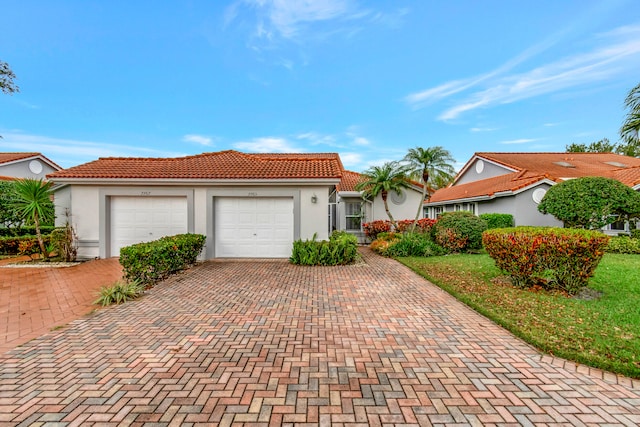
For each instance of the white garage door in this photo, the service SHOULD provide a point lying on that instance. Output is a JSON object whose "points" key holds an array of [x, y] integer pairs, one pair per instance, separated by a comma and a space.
{"points": [[142, 219], [253, 227]]}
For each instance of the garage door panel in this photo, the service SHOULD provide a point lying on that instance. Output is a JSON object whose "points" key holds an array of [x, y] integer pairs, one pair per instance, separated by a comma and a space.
{"points": [[142, 219], [253, 227]]}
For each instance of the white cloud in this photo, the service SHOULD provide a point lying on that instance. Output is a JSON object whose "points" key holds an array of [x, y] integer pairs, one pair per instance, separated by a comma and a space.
{"points": [[315, 138], [198, 139], [617, 52], [69, 152], [351, 160], [519, 141], [289, 19], [268, 145], [360, 140], [481, 129]]}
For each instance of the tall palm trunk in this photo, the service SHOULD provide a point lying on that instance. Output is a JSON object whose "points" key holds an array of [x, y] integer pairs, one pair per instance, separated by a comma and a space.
{"points": [[384, 194], [425, 179]]}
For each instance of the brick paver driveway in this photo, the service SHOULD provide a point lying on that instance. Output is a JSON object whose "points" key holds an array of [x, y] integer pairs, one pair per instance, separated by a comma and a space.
{"points": [[35, 300], [259, 343]]}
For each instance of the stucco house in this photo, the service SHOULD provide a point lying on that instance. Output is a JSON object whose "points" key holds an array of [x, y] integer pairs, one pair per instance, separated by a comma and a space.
{"points": [[25, 165], [247, 205], [514, 183], [349, 210]]}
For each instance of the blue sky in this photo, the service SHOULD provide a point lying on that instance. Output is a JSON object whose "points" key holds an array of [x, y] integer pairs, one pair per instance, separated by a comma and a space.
{"points": [[366, 79]]}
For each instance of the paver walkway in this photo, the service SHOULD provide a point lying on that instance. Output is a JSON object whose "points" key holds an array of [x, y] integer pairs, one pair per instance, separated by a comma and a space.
{"points": [[35, 300], [268, 343]]}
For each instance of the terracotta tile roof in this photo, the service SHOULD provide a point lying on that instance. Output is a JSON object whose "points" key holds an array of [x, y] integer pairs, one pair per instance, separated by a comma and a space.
{"points": [[220, 165], [12, 157], [530, 168], [349, 181]]}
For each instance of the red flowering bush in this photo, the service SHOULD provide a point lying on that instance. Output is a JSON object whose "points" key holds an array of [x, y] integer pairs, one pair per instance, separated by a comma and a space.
{"points": [[373, 228], [561, 258]]}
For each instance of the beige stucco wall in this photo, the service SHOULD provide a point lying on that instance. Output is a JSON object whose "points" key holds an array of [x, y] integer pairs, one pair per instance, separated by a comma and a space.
{"points": [[90, 209], [406, 210], [314, 216], [85, 217]]}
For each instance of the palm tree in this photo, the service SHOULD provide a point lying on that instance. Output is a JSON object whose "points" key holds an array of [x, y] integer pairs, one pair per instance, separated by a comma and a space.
{"points": [[33, 204], [630, 131], [391, 176], [432, 162]]}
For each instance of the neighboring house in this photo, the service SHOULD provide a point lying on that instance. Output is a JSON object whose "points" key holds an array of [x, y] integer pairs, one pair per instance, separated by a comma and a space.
{"points": [[348, 210], [514, 183], [25, 165], [247, 205]]}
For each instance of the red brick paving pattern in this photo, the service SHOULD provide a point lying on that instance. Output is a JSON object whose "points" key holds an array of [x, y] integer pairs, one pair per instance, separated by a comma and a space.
{"points": [[268, 343], [35, 300]]}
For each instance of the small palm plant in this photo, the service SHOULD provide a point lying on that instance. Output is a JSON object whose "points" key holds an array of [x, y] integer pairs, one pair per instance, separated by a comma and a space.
{"points": [[33, 205], [119, 292]]}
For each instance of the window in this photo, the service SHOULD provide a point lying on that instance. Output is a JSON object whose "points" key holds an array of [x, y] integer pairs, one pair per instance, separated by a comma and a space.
{"points": [[471, 207], [618, 226], [436, 211], [458, 207], [353, 214]]}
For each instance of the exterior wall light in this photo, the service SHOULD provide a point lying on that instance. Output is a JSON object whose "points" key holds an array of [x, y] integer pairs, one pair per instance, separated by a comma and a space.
{"points": [[314, 199]]}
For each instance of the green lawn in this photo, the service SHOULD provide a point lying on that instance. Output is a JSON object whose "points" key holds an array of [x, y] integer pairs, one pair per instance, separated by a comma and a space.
{"points": [[604, 333]]}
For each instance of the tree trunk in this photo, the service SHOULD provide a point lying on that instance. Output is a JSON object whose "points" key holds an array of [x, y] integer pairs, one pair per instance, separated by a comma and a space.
{"points": [[384, 195], [43, 248], [425, 179]]}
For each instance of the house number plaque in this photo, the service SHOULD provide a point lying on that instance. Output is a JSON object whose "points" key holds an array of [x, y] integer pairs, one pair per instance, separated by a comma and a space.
{"points": [[253, 194]]}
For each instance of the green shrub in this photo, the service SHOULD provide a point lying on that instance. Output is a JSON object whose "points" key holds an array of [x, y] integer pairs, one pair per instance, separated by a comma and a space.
{"points": [[591, 202], [623, 245], [342, 248], [64, 242], [459, 231], [557, 258], [24, 231], [118, 293], [411, 244], [635, 233], [148, 263], [498, 220]]}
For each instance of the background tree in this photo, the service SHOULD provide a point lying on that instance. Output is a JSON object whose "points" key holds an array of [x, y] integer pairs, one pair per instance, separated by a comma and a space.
{"points": [[33, 204], [391, 176], [8, 215], [602, 146], [630, 130], [591, 202], [432, 162], [7, 77]]}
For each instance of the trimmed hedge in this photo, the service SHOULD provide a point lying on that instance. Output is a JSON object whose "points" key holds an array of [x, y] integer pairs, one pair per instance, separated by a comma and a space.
{"points": [[623, 245], [342, 248], [459, 231], [557, 258], [498, 220], [25, 231], [149, 263]]}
